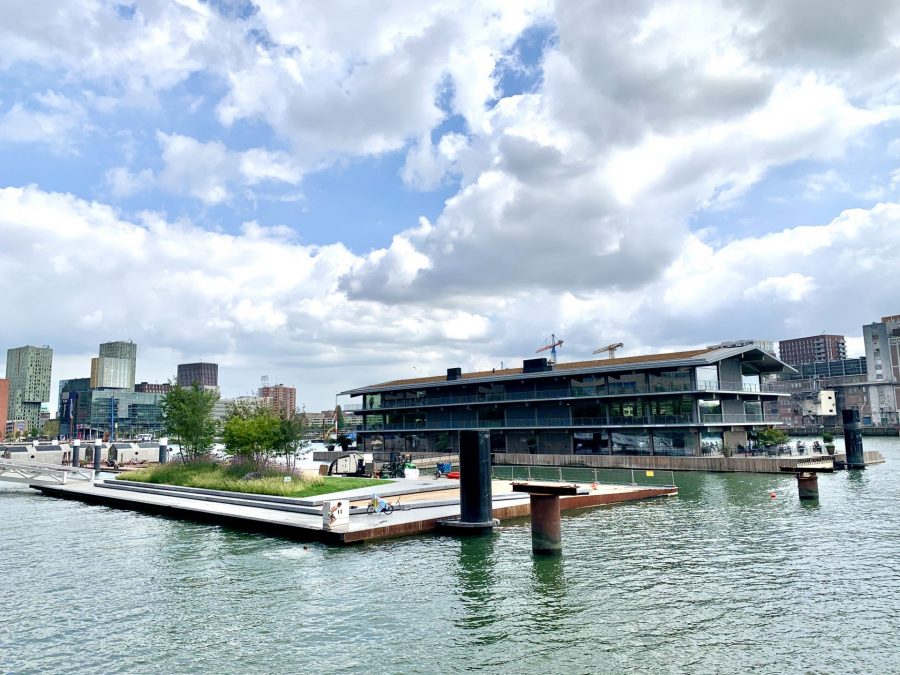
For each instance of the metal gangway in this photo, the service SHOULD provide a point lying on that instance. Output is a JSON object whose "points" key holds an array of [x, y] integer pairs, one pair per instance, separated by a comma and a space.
{"points": [[23, 471]]}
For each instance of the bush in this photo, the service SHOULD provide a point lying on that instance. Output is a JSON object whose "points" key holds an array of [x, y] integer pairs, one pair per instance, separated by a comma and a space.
{"points": [[827, 437], [771, 436]]}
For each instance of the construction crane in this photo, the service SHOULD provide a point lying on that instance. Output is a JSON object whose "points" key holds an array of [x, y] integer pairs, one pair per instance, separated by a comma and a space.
{"points": [[550, 343], [610, 348]]}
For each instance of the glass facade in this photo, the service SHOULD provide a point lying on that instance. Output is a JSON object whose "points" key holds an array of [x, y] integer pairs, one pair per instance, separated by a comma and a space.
{"points": [[649, 410]]}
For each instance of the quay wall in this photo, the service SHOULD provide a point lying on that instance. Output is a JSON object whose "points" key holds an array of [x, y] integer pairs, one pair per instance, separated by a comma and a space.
{"points": [[654, 462]]}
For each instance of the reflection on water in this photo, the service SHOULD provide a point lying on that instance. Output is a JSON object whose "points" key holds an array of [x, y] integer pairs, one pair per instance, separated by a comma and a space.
{"points": [[475, 584], [723, 578]]}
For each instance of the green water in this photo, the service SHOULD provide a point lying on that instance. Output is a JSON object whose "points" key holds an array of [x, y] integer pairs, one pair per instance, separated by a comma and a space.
{"points": [[722, 578]]}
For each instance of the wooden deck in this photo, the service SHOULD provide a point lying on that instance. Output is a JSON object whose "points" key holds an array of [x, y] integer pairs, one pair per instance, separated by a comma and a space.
{"points": [[421, 507]]}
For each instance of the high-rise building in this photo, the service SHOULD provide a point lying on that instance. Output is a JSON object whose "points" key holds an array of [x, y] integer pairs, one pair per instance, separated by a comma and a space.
{"points": [[281, 399], [111, 373], [28, 371], [204, 374], [4, 403], [813, 349], [69, 392], [114, 367]]}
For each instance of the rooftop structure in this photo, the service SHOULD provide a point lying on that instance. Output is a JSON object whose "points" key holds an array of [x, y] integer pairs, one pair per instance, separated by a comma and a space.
{"points": [[676, 403], [765, 345]]}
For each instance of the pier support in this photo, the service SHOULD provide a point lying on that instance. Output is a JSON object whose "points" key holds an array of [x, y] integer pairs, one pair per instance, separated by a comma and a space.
{"points": [[476, 498], [546, 525], [98, 446], [853, 444], [163, 450], [807, 485], [76, 452]]}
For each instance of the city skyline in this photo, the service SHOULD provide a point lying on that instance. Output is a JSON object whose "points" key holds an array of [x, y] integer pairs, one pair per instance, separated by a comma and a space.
{"points": [[249, 388], [286, 191]]}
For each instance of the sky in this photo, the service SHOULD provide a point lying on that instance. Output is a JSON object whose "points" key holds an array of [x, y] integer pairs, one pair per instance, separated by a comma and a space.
{"points": [[343, 193]]}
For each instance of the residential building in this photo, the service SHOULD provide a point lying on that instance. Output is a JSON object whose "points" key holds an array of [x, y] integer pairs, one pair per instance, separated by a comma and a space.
{"points": [[813, 349], [283, 400], [28, 372], [4, 405], [204, 374], [153, 387], [681, 403]]}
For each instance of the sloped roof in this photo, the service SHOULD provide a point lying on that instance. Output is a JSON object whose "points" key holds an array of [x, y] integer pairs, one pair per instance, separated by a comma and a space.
{"points": [[593, 365]]}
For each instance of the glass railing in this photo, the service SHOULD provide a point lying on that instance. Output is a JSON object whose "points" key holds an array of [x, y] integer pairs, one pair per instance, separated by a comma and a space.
{"points": [[578, 392], [539, 423], [735, 418]]}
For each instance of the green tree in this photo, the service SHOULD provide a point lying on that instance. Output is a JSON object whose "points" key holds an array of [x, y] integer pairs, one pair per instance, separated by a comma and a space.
{"points": [[253, 433], [771, 436], [293, 429], [51, 428], [187, 417]]}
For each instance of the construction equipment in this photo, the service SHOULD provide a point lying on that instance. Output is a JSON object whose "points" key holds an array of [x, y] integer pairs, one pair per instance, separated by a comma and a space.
{"points": [[550, 343], [609, 348]]}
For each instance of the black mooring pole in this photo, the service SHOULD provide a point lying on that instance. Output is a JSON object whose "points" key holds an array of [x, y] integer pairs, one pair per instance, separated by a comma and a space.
{"points": [[853, 444]]}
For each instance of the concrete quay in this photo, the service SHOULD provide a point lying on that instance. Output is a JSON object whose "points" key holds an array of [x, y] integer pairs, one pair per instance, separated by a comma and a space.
{"points": [[671, 462], [418, 506]]}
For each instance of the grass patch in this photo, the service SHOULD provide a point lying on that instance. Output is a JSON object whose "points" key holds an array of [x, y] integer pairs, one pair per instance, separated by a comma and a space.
{"points": [[228, 477]]}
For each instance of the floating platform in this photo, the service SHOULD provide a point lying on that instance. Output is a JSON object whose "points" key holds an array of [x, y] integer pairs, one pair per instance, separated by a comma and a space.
{"points": [[418, 506]]}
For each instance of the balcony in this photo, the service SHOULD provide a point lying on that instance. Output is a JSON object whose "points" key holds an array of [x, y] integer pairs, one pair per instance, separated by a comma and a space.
{"points": [[538, 423], [737, 418], [609, 390]]}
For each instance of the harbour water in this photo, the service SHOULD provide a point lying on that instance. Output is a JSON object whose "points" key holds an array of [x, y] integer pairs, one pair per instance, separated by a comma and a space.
{"points": [[723, 578]]}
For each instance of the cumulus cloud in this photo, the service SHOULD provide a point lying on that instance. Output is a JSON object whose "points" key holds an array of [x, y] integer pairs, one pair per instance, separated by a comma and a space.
{"points": [[576, 199], [207, 170], [49, 118]]}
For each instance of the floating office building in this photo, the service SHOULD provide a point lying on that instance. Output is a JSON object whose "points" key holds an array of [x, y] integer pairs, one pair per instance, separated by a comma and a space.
{"points": [[682, 403]]}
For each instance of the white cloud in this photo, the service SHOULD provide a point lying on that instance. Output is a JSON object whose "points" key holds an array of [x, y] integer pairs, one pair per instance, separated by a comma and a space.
{"points": [[124, 183], [208, 170], [55, 120], [576, 198]]}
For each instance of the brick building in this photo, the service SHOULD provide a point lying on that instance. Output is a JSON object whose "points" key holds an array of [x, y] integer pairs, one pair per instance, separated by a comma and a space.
{"points": [[813, 349]]}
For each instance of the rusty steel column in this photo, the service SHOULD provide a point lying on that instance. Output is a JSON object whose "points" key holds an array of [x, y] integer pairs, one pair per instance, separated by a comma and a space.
{"points": [[808, 485], [546, 532]]}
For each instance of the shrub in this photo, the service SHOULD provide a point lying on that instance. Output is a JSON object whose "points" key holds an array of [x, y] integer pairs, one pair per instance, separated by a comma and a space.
{"points": [[771, 436]]}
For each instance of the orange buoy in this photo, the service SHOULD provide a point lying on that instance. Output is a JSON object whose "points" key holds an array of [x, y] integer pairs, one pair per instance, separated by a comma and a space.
{"points": [[773, 494]]}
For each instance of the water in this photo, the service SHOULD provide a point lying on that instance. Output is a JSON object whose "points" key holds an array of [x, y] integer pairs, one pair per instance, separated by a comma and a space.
{"points": [[720, 579]]}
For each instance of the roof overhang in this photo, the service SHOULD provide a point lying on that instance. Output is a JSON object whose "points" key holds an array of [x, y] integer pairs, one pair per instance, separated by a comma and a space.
{"points": [[753, 357]]}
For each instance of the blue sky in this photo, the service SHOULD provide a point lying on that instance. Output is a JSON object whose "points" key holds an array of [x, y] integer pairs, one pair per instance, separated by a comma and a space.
{"points": [[341, 193]]}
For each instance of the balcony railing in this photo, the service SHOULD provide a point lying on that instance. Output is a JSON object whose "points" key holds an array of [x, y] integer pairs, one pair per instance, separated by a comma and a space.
{"points": [[540, 422], [736, 418], [617, 389]]}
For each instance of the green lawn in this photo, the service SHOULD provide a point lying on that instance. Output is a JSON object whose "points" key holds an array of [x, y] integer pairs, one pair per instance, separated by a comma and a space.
{"points": [[222, 477]]}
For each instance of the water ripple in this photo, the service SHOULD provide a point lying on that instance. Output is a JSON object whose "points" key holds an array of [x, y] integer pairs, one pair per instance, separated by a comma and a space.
{"points": [[721, 579]]}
